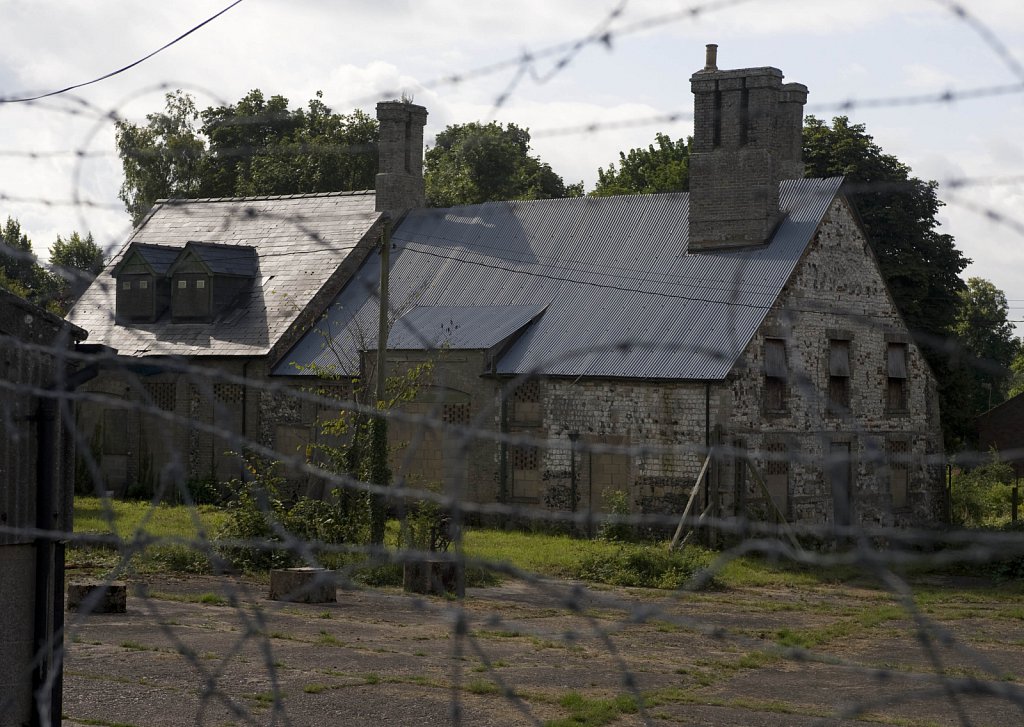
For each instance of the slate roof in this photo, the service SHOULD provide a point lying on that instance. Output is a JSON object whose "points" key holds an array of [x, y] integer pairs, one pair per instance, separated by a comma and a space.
{"points": [[300, 241], [624, 297], [234, 260], [158, 257]]}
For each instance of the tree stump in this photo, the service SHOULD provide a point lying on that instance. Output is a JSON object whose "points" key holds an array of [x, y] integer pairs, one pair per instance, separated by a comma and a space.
{"points": [[98, 596], [431, 576], [303, 585]]}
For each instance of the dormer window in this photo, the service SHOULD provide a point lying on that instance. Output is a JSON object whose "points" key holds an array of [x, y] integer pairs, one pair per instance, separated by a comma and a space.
{"points": [[190, 298], [209, 279], [142, 291]]}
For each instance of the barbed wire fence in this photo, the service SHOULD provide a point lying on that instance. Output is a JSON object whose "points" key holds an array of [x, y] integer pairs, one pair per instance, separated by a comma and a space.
{"points": [[639, 657]]}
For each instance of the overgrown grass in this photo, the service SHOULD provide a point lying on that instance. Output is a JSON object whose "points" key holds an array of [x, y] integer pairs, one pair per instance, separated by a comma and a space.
{"points": [[165, 530], [163, 534]]}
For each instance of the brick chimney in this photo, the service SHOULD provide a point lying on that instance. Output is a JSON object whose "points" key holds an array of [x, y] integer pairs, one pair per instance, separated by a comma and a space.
{"points": [[399, 181], [747, 137]]}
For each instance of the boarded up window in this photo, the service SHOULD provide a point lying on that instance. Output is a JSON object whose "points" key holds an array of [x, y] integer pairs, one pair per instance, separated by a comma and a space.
{"points": [[899, 474], [776, 475], [774, 374], [839, 375], [526, 402], [897, 360], [896, 383], [525, 462], [775, 358]]}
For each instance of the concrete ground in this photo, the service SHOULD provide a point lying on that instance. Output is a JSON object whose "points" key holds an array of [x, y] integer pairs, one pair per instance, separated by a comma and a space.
{"points": [[209, 651]]}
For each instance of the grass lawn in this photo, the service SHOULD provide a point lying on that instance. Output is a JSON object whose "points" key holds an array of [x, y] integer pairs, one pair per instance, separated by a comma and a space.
{"points": [[166, 535], [171, 538]]}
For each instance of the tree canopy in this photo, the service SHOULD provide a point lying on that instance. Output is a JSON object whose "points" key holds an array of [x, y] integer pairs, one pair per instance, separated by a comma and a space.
{"points": [[650, 170], [473, 163], [921, 265], [75, 261], [255, 147], [987, 337]]}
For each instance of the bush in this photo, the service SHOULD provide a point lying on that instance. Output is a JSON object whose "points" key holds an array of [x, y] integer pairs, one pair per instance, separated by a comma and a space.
{"points": [[265, 521], [643, 566], [616, 502], [981, 495]]}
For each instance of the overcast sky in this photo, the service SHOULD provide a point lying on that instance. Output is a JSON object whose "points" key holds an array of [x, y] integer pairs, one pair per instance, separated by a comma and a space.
{"points": [[360, 52]]}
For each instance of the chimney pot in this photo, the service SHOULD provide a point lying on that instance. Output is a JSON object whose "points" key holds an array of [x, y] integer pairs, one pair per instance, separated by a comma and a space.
{"points": [[711, 57]]}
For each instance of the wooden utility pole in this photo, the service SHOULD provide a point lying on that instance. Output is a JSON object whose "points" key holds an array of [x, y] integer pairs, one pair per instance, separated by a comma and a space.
{"points": [[382, 328]]}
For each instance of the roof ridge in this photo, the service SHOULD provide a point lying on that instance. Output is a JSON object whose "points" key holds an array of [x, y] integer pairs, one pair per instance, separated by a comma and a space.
{"points": [[266, 197]]}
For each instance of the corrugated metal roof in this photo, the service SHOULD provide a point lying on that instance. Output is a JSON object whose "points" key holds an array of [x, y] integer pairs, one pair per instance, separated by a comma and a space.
{"points": [[459, 327], [624, 297]]}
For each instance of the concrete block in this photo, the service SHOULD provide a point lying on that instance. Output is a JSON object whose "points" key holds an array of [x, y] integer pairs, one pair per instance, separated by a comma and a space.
{"points": [[98, 596], [303, 585]]}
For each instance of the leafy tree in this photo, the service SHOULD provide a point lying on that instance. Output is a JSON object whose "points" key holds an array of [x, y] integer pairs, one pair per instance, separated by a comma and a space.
{"points": [[76, 262], [257, 146], [921, 265], [986, 335], [260, 146], [163, 158], [473, 163], [656, 169], [20, 271], [17, 263]]}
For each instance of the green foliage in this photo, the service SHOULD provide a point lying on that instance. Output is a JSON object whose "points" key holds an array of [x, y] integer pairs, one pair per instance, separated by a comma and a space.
{"points": [[427, 527], [986, 335], [654, 170], [21, 273], [584, 712], [616, 502], [162, 159], [473, 163], [76, 262], [257, 146], [267, 522], [982, 495], [643, 566]]}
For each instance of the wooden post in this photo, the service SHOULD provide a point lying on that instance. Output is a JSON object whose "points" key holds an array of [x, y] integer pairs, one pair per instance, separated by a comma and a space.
{"points": [[382, 324], [689, 503]]}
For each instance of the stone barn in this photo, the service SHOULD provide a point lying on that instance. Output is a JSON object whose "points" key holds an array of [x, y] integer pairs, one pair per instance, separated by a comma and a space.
{"points": [[612, 342]]}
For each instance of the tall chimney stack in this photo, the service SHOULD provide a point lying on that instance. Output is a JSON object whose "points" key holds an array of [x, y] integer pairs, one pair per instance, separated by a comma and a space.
{"points": [[747, 137], [399, 182]]}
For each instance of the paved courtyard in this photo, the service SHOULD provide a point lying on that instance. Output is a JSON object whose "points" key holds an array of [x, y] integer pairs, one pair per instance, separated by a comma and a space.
{"points": [[209, 651]]}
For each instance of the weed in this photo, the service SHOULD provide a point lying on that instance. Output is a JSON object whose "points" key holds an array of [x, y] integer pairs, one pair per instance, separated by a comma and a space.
{"points": [[315, 688], [135, 646], [482, 686], [212, 599], [585, 712], [329, 639]]}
